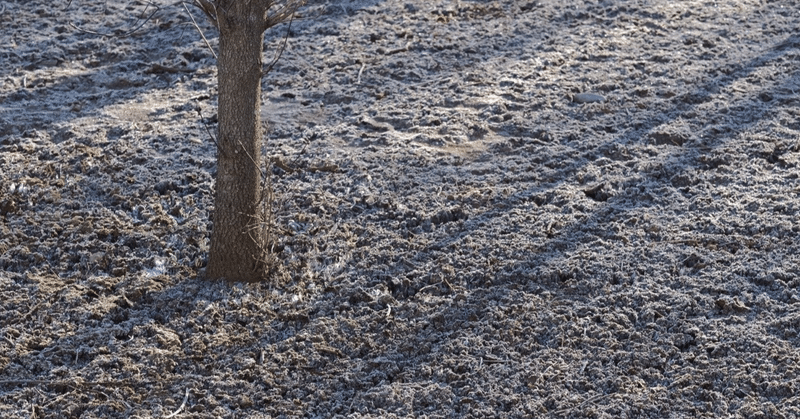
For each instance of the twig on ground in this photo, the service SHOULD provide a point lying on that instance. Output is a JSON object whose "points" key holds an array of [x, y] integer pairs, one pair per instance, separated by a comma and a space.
{"points": [[175, 413], [492, 360], [10, 342], [358, 80], [76, 383], [399, 50], [161, 69], [281, 164], [32, 310], [585, 402], [448, 284], [430, 287]]}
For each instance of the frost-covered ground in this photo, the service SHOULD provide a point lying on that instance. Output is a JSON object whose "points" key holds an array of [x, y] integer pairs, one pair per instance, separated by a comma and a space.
{"points": [[466, 231]]}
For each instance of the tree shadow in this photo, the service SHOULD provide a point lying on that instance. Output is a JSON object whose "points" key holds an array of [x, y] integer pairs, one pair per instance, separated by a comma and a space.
{"points": [[150, 310], [675, 151]]}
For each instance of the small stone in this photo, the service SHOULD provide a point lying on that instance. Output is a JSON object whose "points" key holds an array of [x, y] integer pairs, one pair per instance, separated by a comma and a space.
{"points": [[588, 98], [376, 125], [597, 193]]}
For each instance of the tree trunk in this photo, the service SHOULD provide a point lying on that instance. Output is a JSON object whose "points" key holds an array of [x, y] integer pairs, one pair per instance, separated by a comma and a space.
{"points": [[238, 244]]}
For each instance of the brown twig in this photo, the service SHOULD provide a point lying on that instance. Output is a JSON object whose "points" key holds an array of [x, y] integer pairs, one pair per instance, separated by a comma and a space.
{"points": [[185, 399], [286, 12], [76, 383], [281, 164], [199, 30], [119, 35], [283, 47], [214, 139], [585, 402], [492, 360], [209, 9], [161, 69]]}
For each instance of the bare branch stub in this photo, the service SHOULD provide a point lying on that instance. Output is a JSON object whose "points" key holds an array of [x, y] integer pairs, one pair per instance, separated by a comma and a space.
{"points": [[283, 47], [200, 31], [209, 8], [285, 12]]}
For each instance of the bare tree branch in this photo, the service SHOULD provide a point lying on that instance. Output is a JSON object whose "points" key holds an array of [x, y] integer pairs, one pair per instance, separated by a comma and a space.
{"points": [[285, 12], [141, 22], [283, 47], [209, 9], [200, 31]]}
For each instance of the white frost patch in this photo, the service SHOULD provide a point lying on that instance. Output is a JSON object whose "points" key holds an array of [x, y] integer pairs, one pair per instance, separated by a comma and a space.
{"points": [[157, 269]]}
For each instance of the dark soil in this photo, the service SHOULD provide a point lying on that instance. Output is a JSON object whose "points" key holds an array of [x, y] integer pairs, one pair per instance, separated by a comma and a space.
{"points": [[483, 209]]}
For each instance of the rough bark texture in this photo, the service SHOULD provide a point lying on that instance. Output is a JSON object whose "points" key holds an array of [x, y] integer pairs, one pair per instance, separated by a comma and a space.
{"points": [[237, 240]]}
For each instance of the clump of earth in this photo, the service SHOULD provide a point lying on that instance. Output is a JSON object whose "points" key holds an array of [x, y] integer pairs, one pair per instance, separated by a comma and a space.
{"points": [[482, 209]]}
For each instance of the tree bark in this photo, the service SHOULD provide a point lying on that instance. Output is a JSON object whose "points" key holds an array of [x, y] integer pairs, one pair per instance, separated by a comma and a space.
{"points": [[238, 245]]}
